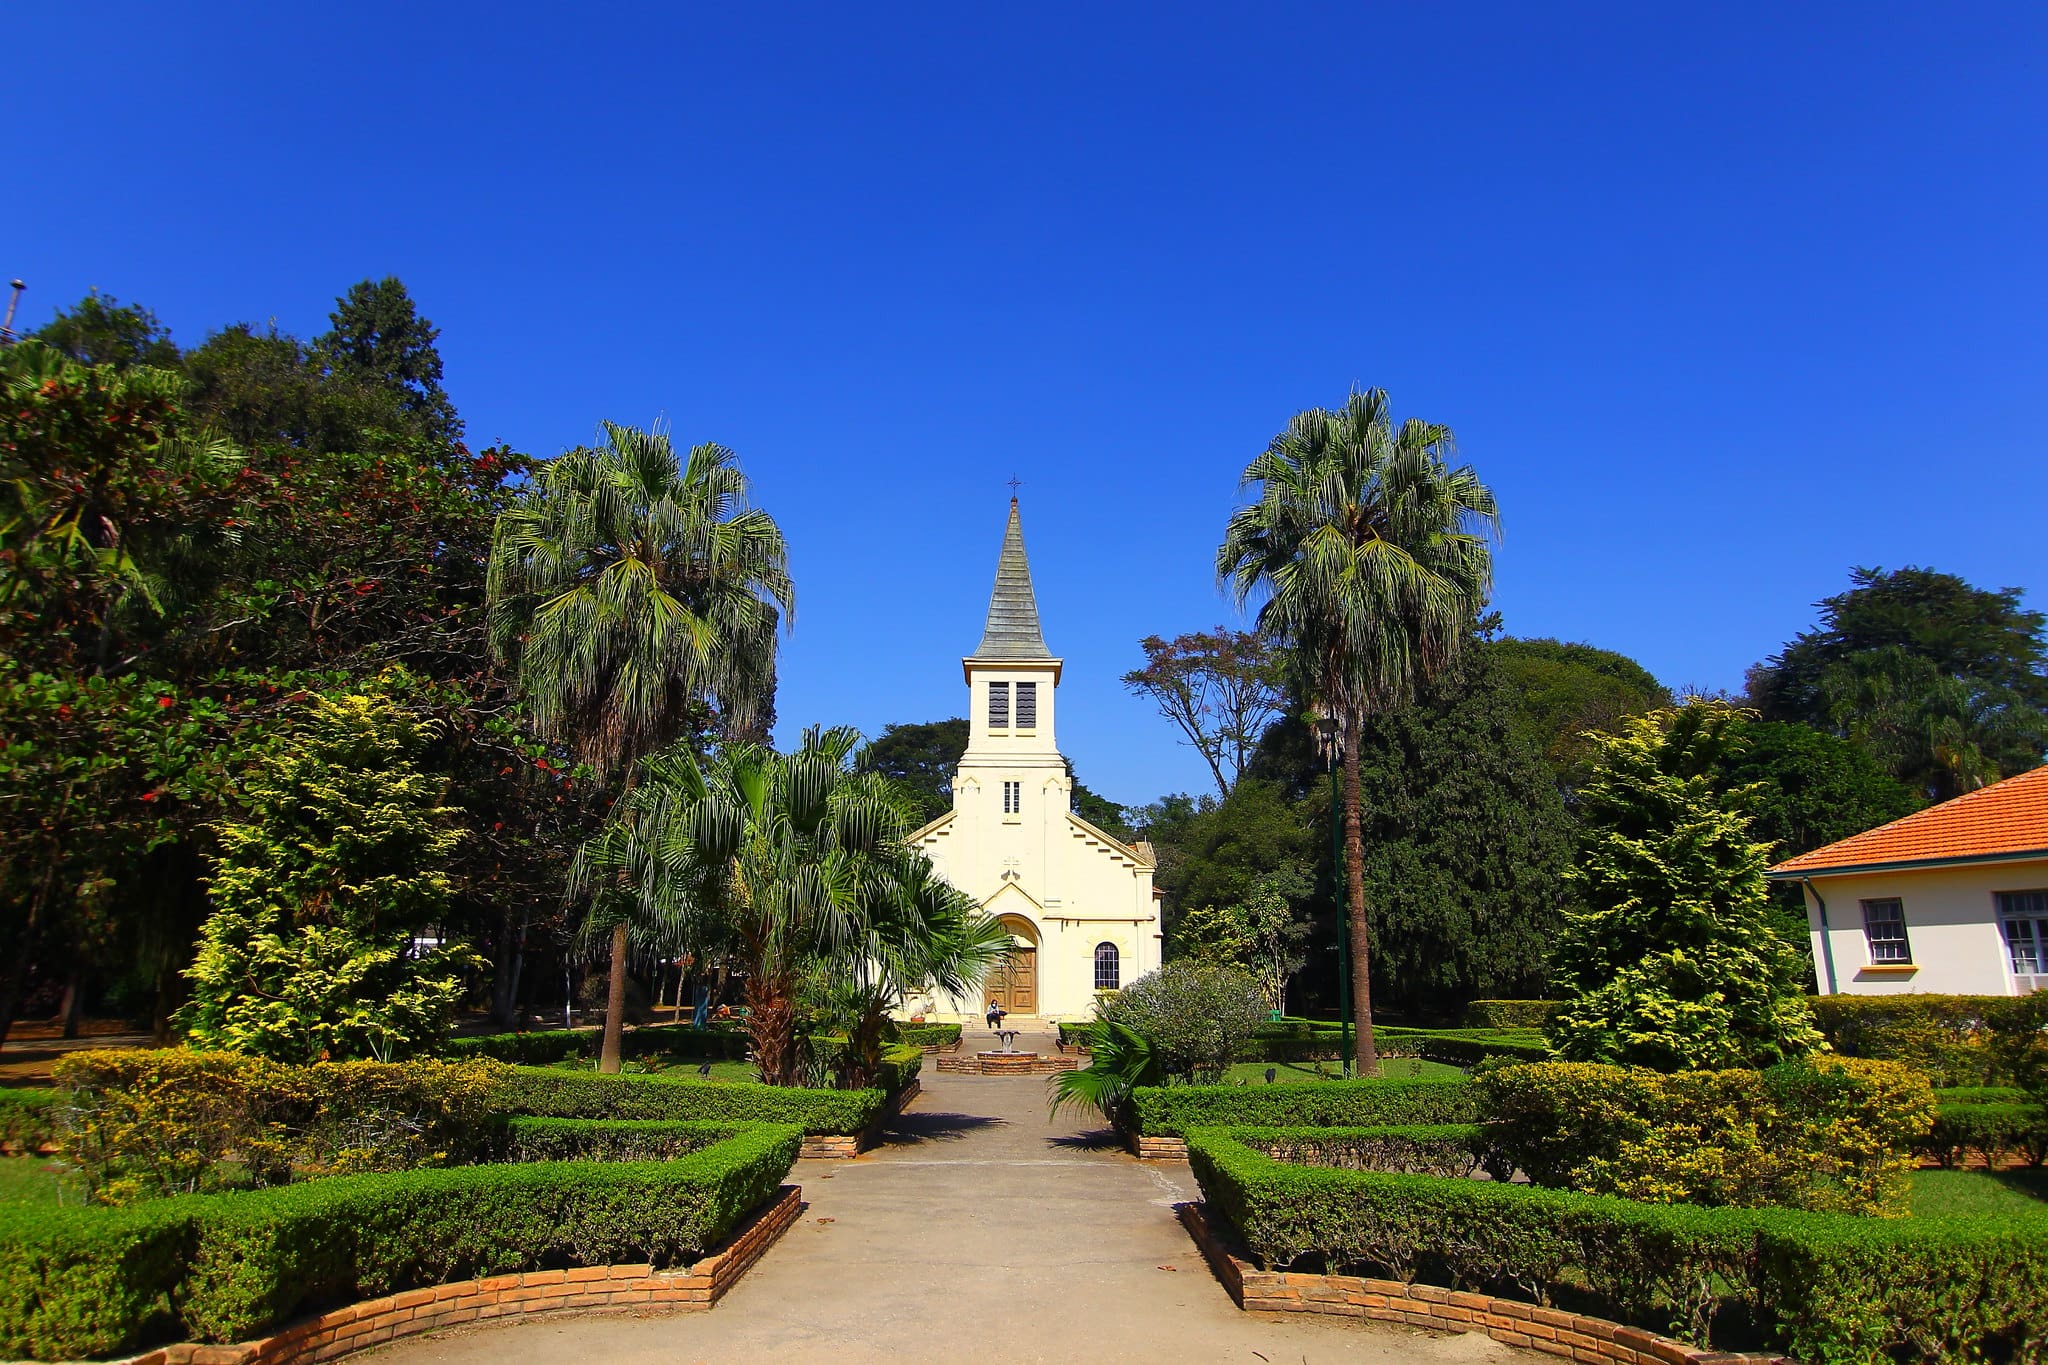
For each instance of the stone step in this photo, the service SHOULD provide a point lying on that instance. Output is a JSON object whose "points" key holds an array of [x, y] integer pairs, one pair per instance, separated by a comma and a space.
{"points": [[966, 1063]]}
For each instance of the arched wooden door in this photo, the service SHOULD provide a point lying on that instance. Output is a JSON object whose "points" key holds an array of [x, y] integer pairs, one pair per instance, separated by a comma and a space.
{"points": [[1013, 982]]}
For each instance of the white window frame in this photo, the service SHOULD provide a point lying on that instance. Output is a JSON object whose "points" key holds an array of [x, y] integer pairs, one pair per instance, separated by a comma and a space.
{"points": [[1892, 911], [2023, 915]]}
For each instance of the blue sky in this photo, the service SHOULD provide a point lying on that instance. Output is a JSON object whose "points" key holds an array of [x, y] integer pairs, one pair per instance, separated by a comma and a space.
{"points": [[1720, 300]]}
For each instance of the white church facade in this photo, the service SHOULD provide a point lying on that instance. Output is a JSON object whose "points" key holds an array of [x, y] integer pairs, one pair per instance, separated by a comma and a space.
{"points": [[1078, 903]]}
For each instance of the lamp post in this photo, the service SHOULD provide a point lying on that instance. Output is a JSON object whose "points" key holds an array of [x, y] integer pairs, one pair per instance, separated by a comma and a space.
{"points": [[1331, 739]]}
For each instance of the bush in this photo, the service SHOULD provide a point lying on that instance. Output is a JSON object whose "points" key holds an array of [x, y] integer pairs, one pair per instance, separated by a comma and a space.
{"points": [[1451, 1150], [28, 1119], [559, 1045], [222, 1268], [1197, 1018], [1832, 1135], [1825, 1287], [1464, 1047], [1169, 1111], [939, 1035], [538, 1139], [146, 1123], [1509, 1013], [1992, 1131], [583, 1095], [1945, 1036]]}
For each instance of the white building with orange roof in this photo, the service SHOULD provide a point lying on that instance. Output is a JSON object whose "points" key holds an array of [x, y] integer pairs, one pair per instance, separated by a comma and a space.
{"points": [[1950, 900]]}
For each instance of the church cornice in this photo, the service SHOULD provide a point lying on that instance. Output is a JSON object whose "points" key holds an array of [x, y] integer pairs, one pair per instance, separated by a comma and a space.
{"points": [[1114, 844], [970, 662], [917, 836]]}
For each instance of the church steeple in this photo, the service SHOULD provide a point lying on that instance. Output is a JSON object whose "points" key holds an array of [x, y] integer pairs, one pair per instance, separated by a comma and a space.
{"points": [[1012, 631]]}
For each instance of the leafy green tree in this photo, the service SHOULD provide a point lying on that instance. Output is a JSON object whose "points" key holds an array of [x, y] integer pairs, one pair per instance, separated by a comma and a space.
{"points": [[1945, 683], [1098, 810], [636, 597], [1467, 843], [1371, 552], [1221, 688], [1566, 690], [800, 860], [1262, 935], [1811, 788], [1225, 847], [921, 759], [377, 335], [1673, 963], [101, 330], [321, 894], [267, 388]]}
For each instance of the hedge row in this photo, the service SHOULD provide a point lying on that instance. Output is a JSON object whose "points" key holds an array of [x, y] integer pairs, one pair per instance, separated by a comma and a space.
{"points": [[543, 1093], [1992, 1131], [1942, 1035], [1451, 1150], [935, 1035], [1169, 1111], [559, 1045], [222, 1268], [28, 1119], [546, 1139], [1510, 1013], [1463, 1047], [1825, 1287]]}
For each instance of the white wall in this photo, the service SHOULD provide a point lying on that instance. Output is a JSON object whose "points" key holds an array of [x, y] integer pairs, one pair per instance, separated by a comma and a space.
{"points": [[1951, 927]]}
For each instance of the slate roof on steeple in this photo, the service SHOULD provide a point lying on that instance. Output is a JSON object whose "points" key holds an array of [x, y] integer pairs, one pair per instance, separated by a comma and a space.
{"points": [[1012, 631]]}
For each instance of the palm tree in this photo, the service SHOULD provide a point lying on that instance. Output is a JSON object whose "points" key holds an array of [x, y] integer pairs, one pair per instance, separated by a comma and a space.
{"points": [[799, 860], [1372, 555], [636, 596]]}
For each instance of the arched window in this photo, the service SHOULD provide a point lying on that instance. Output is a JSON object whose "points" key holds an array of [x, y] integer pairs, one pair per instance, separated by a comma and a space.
{"points": [[1108, 967]]}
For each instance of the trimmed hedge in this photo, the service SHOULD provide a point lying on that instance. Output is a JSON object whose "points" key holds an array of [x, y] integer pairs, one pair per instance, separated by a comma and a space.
{"points": [[1510, 1013], [1452, 1150], [1827, 1287], [28, 1119], [223, 1268], [1169, 1111], [543, 1093], [1942, 1035], [937, 1035], [558, 1045], [1992, 1131], [539, 1139], [1464, 1047]]}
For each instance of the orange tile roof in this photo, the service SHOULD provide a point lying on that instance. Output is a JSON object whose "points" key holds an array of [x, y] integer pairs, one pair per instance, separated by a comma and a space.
{"points": [[2001, 820]]}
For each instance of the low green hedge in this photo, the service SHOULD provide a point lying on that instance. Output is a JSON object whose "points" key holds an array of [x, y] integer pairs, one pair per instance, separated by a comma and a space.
{"points": [[28, 1118], [931, 1035], [1992, 1131], [1825, 1287], [1942, 1035], [901, 1063], [1453, 1150], [1509, 1013], [559, 1045], [543, 1093], [546, 1139], [222, 1268], [1464, 1047], [1170, 1111]]}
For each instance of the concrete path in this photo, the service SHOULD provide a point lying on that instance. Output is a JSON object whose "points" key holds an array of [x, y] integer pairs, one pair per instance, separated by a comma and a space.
{"points": [[980, 1232]]}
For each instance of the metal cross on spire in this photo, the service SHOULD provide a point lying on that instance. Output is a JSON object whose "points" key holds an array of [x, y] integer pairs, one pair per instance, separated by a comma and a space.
{"points": [[1015, 484]]}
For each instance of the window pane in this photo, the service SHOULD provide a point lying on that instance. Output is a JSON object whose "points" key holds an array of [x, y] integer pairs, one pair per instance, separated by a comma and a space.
{"points": [[1884, 927], [998, 706], [2030, 903], [1108, 967], [1027, 705], [2024, 945]]}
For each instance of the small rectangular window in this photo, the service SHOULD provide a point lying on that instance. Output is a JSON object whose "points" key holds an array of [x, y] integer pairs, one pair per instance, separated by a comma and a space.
{"points": [[1884, 927], [1027, 706], [998, 706], [1013, 797], [2023, 915], [2024, 946]]}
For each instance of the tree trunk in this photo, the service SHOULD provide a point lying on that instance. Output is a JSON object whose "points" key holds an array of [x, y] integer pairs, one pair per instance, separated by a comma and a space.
{"points": [[1367, 1056], [771, 1024], [615, 1005], [71, 1012]]}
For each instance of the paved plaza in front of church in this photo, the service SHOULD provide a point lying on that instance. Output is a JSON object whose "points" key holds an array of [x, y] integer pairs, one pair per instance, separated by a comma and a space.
{"points": [[980, 1232]]}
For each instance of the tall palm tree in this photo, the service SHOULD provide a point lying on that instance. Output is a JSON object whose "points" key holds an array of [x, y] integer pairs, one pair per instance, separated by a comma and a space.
{"points": [[636, 596], [1372, 554], [800, 860]]}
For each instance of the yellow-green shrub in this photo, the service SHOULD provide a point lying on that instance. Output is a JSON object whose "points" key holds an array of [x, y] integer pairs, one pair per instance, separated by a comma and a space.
{"points": [[1835, 1134]]}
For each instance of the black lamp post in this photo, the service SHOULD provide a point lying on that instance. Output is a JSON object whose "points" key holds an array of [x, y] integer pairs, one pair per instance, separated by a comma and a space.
{"points": [[1331, 738]]}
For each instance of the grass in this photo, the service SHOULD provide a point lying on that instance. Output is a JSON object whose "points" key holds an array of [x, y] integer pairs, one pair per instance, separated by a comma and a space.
{"points": [[2021, 1194], [1404, 1068], [721, 1070], [29, 1180]]}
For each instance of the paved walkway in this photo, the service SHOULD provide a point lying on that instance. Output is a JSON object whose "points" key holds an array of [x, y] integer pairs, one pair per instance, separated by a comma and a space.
{"points": [[980, 1232]]}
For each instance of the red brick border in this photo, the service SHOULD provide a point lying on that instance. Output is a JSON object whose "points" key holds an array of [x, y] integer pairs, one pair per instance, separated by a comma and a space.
{"points": [[846, 1146], [1148, 1147], [1006, 1064], [1507, 1321], [594, 1289]]}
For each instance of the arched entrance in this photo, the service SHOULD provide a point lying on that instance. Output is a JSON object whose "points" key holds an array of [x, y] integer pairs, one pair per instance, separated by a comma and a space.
{"points": [[1013, 982]]}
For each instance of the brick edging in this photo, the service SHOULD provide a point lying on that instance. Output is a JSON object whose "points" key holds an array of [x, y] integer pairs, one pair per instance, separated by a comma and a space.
{"points": [[1151, 1147], [846, 1146], [594, 1289], [1508, 1321], [1006, 1064]]}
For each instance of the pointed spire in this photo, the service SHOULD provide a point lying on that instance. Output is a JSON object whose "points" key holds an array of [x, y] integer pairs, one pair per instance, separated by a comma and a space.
{"points": [[1012, 631]]}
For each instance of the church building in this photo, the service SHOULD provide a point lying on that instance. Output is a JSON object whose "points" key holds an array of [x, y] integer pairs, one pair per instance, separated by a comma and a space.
{"points": [[1078, 903]]}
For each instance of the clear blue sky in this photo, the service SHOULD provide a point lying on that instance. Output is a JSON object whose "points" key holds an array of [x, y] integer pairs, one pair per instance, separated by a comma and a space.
{"points": [[1721, 300]]}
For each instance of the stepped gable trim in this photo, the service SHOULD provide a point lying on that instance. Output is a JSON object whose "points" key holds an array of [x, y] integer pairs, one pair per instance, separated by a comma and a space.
{"points": [[2005, 821], [928, 827], [1572, 1336], [1115, 844]]}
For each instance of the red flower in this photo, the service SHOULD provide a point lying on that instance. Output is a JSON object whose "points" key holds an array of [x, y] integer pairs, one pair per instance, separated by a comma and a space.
{"points": [[164, 702], [149, 796]]}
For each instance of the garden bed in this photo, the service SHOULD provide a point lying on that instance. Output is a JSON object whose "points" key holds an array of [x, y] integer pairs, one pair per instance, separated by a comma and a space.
{"points": [[1155, 1120]]}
